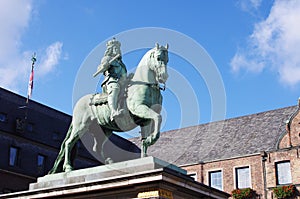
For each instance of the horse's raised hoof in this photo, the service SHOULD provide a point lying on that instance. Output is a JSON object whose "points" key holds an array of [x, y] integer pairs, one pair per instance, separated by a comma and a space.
{"points": [[109, 161]]}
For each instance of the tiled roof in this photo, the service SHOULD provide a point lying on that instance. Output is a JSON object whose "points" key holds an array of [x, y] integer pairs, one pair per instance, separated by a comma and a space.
{"points": [[229, 138]]}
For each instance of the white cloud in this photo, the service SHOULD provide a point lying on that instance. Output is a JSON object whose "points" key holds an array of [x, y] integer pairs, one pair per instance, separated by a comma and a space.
{"points": [[274, 44], [12, 26], [240, 61], [51, 59], [15, 16], [249, 6]]}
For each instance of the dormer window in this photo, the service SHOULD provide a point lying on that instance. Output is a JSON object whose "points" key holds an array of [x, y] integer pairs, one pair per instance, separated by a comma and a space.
{"points": [[3, 117], [30, 127]]}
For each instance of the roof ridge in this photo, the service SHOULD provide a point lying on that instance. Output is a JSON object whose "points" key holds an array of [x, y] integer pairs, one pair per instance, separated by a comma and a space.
{"points": [[35, 103], [230, 119]]}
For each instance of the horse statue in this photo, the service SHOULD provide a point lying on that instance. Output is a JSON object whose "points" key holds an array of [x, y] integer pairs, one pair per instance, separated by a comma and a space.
{"points": [[143, 103]]}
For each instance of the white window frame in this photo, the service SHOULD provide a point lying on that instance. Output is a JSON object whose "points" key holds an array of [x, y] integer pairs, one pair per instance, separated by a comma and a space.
{"points": [[279, 178], [235, 171], [209, 179]]}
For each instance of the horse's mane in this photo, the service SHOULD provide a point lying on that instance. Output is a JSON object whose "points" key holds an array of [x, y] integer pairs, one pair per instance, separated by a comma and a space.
{"points": [[148, 55], [146, 58]]}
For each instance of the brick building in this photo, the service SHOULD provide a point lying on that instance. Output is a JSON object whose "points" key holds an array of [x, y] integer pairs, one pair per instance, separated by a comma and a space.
{"points": [[259, 151], [30, 138]]}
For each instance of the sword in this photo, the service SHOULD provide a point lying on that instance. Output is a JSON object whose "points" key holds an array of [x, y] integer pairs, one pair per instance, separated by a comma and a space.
{"points": [[100, 70]]}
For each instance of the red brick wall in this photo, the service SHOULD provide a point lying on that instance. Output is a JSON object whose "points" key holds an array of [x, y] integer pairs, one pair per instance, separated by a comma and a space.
{"points": [[228, 170], [284, 143], [289, 150], [291, 155], [256, 168], [295, 130]]}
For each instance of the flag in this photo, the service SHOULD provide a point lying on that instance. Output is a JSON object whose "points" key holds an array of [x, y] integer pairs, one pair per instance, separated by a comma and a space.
{"points": [[30, 84]]}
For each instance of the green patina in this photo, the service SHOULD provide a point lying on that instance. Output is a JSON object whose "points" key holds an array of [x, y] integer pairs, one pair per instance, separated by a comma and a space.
{"points": [[136, 101]]}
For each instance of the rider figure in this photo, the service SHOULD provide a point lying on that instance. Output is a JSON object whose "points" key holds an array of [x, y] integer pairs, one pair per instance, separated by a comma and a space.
{"points": [[115, 73]]}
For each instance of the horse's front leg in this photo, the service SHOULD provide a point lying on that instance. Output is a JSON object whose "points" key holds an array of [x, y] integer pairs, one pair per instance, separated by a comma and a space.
{"points": [[104, 138], [145, 112], [155, 124], [145, 132]]}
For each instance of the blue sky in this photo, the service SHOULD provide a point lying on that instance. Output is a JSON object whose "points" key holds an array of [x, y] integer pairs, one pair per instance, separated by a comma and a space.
{"points": [[253, 46]]}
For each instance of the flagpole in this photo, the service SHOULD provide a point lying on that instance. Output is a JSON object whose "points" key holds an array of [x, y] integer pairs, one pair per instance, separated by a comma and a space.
{"points": [[30, 84]]}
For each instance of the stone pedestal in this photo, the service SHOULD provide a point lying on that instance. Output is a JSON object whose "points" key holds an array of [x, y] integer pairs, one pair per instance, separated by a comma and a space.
{"points": [[141, 178]]}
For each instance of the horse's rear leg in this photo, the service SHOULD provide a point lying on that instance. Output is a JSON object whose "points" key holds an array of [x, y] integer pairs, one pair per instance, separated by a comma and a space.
{"points": [[69, 144], [60, 157]]}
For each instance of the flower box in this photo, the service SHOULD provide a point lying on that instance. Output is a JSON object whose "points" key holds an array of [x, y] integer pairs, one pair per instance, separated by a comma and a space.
{"points": [[246, 193], [284, 192]]}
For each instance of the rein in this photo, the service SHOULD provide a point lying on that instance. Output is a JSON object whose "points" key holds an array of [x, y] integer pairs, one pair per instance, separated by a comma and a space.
{"points": [[163, 88], [158, 86], [156, 71], [152, 85]]}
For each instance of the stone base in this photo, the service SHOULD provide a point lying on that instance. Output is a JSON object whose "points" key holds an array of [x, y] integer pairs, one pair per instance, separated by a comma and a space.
{"points": [[102, 172], [141, 178]]}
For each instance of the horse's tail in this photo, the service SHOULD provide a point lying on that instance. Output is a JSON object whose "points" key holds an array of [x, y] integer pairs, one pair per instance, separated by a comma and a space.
{"points": [[60, 157]]}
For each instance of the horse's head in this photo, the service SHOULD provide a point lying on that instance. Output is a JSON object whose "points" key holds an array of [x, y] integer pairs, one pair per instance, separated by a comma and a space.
{"points": [[159, 60]]}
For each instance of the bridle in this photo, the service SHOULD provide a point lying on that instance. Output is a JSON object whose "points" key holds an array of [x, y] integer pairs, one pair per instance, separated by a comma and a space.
{"points": [[157, 71]]}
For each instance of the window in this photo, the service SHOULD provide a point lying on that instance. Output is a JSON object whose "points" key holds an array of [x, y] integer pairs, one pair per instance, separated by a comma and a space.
{"points": [[13, 156], [216, 179], [3, 117], [41, 163], [283, 173], [242, 177], [55, 136], [29, 127]]}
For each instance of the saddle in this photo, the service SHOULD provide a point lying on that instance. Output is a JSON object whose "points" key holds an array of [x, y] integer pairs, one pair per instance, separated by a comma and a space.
{"points": [[99, 99]]}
